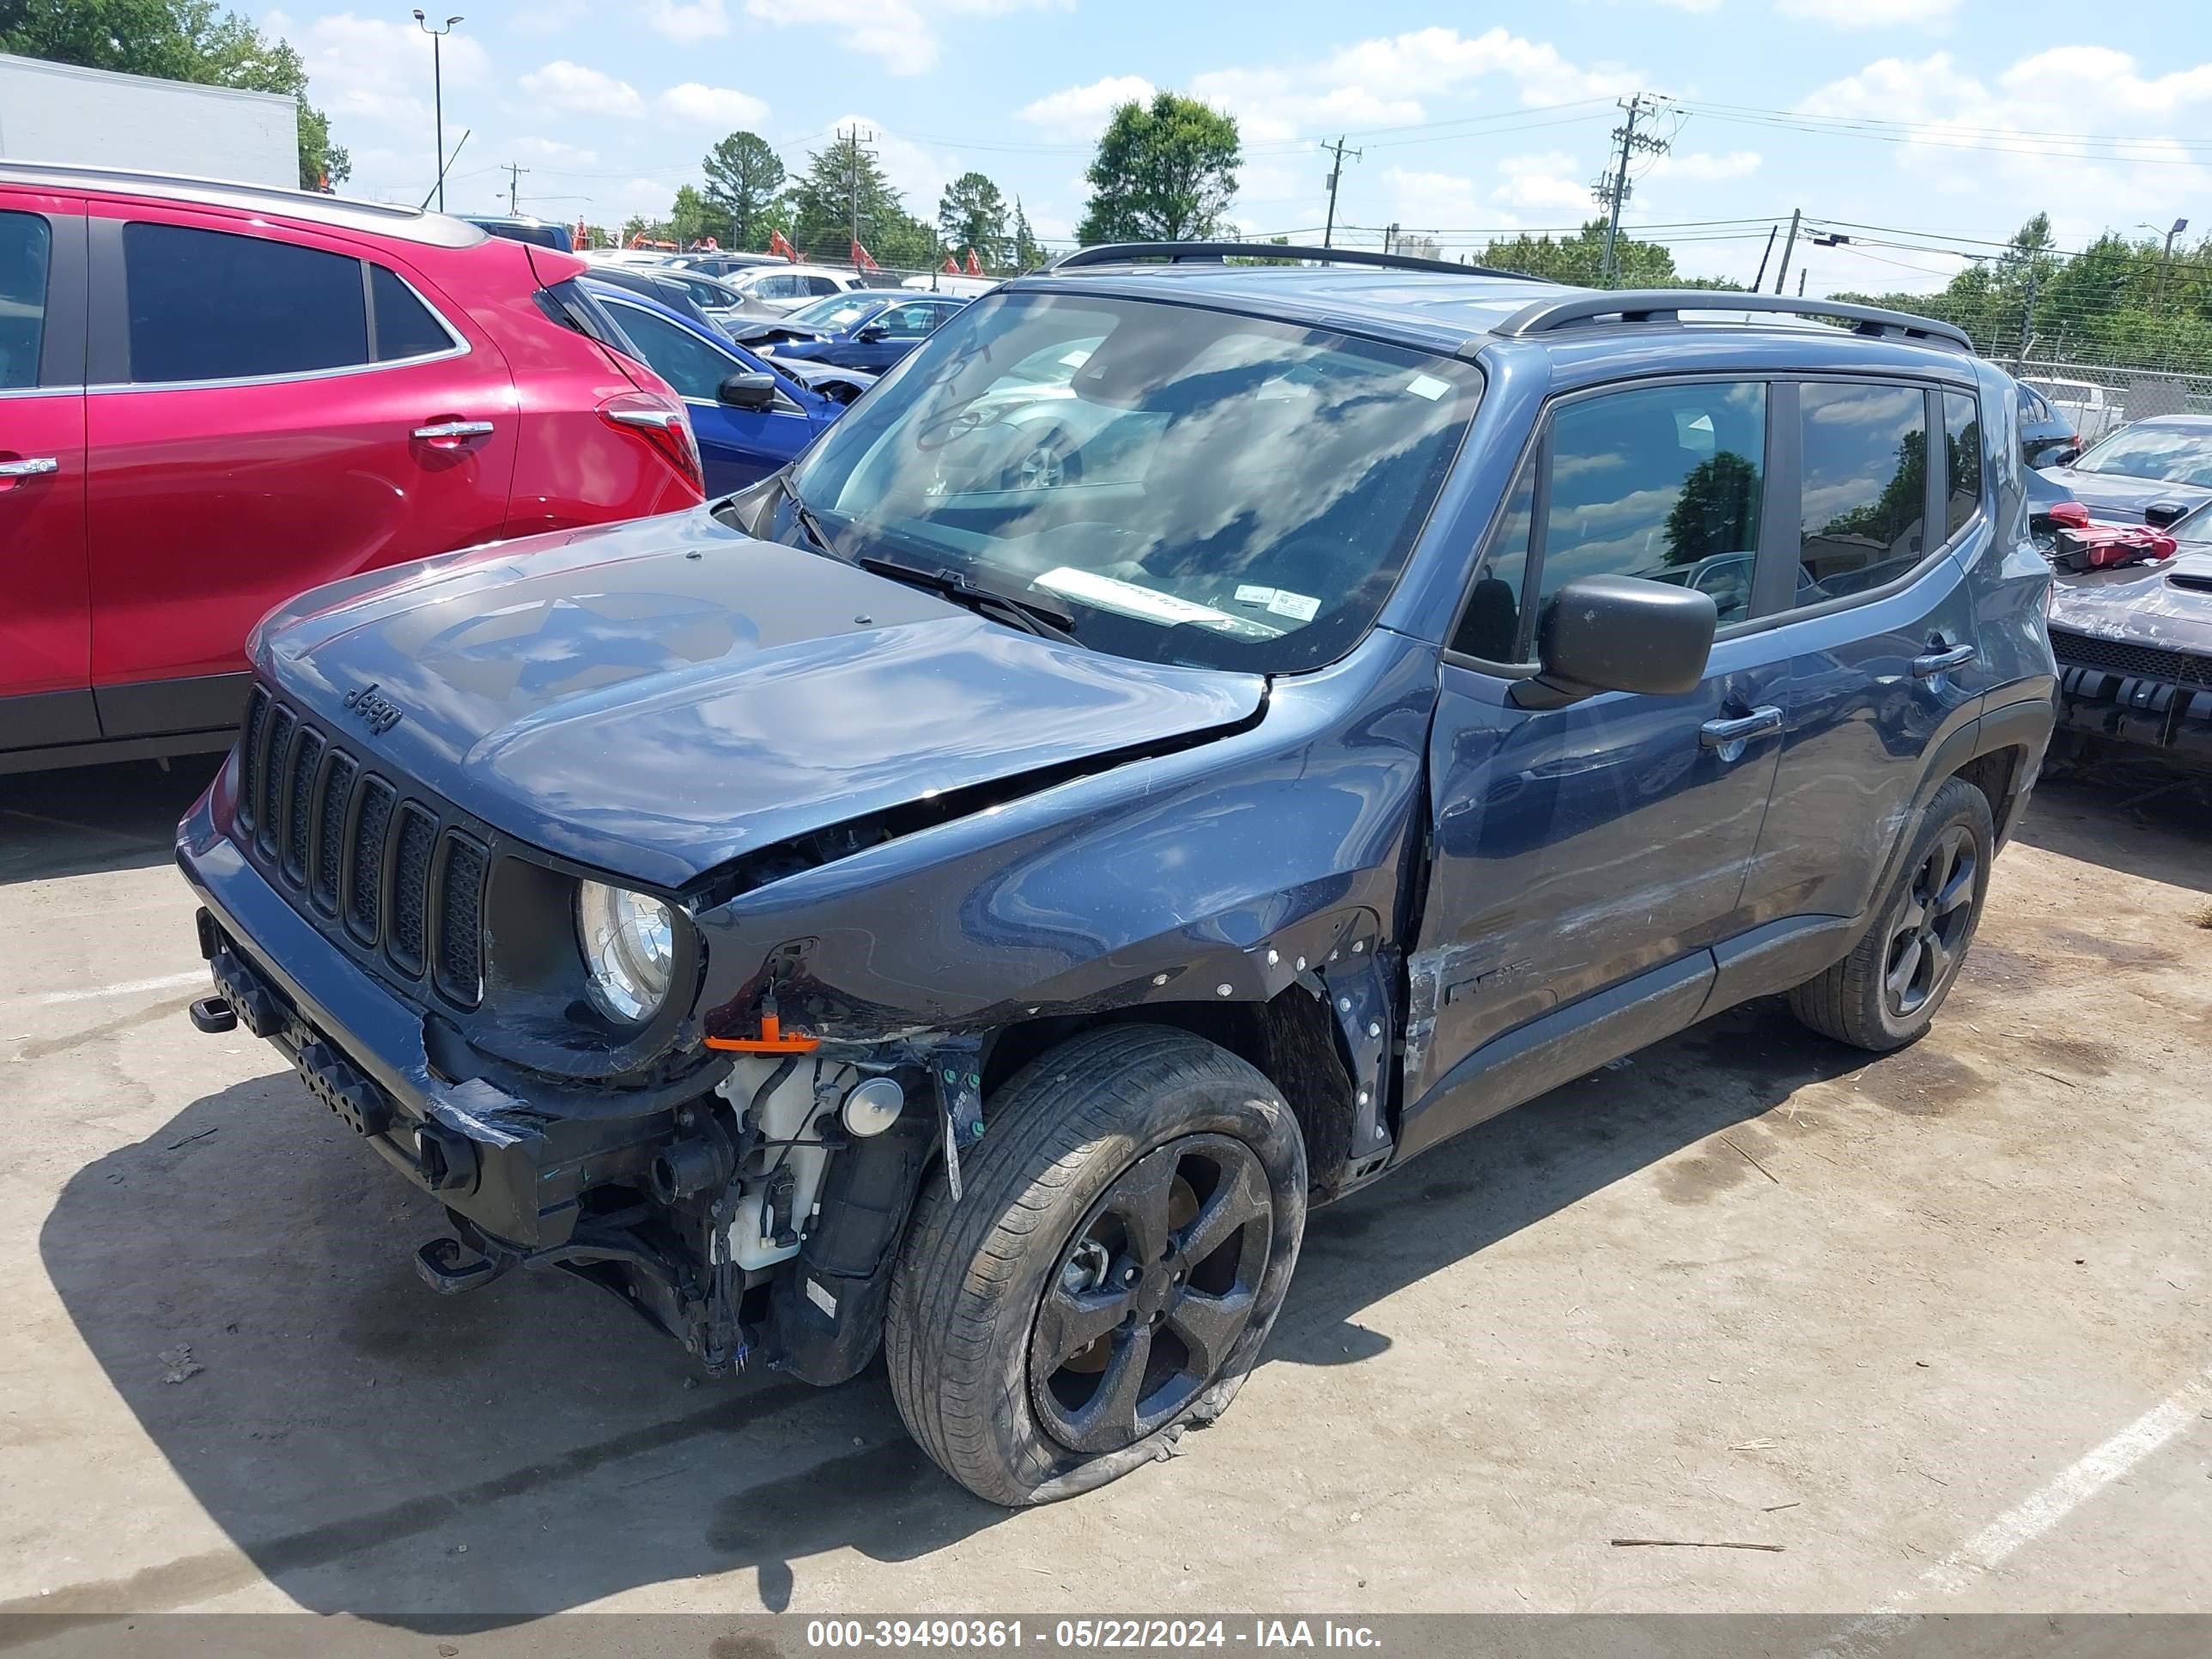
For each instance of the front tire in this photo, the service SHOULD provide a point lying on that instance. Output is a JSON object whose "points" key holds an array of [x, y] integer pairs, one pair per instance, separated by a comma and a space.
{"points": [[1885, 994], [1121, 1248]]}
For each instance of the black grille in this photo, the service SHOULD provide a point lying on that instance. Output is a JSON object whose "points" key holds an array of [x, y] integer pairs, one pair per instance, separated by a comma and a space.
{"points": [[268, 801], [460, 920], [384, 863], [249, 757], [307, 757], [407, 929], [2120, 657], [365, 860], [330, 831]]}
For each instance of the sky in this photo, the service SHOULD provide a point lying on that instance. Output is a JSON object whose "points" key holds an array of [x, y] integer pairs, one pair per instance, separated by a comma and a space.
{"points": [[1924, 130]]}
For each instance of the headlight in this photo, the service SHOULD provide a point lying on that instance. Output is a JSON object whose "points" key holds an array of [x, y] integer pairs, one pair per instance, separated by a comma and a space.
{"points": [[629, 941]]}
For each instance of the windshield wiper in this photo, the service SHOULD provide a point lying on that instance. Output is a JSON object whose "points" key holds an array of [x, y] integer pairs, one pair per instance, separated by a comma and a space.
{"points": [[1030, 612], [807, 521]]}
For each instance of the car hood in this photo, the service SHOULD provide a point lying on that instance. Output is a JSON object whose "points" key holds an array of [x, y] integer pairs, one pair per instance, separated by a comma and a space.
{"points": [[2117, 498], [767, 329], [2168, 604], [808, 373], [657, 698]]}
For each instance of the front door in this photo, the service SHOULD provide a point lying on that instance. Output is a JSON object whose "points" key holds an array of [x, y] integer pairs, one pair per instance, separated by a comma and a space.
{"points": [[1584, 857], [266, 415], [737, 447], [46, 645]]}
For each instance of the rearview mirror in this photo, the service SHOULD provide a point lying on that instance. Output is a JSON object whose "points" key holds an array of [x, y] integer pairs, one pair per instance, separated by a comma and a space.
{"points": [[1620, 634], [749, 390]]}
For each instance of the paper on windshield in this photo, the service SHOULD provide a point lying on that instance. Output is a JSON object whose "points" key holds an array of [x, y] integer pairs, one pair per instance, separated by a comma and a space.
{"points": [[1128, 599]]}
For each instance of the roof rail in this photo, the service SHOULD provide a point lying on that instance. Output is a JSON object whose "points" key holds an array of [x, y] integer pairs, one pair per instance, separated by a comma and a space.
{"points": [[1123, 253], [1666, 305]]}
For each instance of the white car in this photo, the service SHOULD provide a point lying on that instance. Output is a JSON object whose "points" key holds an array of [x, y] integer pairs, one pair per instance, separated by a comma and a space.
{"points": [[2094, 410], [786, 288]]}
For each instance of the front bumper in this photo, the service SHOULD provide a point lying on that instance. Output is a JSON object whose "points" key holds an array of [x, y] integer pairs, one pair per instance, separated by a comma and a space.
{"points": [[518, 1171]]}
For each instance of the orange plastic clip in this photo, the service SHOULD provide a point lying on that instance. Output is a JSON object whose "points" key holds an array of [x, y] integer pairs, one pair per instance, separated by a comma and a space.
{"points": [[771, 1040]]}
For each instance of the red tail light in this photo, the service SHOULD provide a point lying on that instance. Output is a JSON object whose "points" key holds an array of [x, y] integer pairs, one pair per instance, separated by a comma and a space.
{"points": [[662, 423], [2072, 514]]}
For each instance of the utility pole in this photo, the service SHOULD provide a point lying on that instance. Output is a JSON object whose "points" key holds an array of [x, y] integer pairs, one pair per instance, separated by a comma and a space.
{"points": [[2027, 312], [438, 93], [853, 142], [1782, 276], [513, 198], [1613, 193], [1335, 173], [1390, 236]]}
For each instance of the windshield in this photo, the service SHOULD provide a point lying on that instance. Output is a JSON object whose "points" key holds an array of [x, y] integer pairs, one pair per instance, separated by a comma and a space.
{"points": [[1194, 487], [836, 313], [2169, 454]]}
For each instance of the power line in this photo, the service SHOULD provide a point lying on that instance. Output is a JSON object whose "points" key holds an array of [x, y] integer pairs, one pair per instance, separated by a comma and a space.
{"points": [[1335, 173], [1612, 194]]}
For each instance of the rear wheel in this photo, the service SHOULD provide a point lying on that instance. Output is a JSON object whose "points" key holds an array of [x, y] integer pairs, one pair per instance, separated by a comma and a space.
{"points": [[1885, 994], [1121, 1248]]}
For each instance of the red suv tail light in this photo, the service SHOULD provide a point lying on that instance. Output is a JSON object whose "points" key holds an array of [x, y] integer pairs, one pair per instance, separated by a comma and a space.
{"points": [[662, 423]]}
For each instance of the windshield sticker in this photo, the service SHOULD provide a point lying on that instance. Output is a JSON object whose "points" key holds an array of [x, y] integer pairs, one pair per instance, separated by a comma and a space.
{"points": [[1300, 607], [1427, 385], [1247, 594], [1077, 358], [1127, 598]]}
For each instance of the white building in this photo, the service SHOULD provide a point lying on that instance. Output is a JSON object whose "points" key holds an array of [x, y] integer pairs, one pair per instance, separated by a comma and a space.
{"points": [[96, 118]]}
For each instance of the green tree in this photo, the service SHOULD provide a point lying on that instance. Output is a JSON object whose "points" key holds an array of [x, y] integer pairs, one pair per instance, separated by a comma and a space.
{"points": [[1716, 510], [823, 199], [176, 40], [693, 216], [1580, 259], [1027, 255], [1165, 171], [973, 214], [744, 177]]}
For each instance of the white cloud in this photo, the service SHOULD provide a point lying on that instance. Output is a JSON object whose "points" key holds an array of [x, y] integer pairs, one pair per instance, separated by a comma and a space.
{"points": [[1873, 14], [565, 85], [548, 17], [1429, 201], [903, 33], [1081, 114], [1693, 5], [699, 20], [552, 150], [364, 69], [1435, 60], [724, 106], [1548, 184]]}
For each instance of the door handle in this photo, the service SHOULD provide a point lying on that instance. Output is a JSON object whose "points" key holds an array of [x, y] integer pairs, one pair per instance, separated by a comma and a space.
{"points": [[1938, 662], [1719, 734], [38, 466], [451, 429]]}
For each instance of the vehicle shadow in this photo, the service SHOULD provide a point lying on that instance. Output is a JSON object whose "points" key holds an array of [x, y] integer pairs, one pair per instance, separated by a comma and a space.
{"points": [[88, 819], [2143, 821], [371, 1448]]}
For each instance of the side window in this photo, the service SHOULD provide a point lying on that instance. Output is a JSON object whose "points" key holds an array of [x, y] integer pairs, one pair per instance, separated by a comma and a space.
{"points": [[776, 287], [404, 326], [1490, 628], [1865, 487], [908, 322], [209, 306], [1662, 483], [820, 285], [680, 357], [26, 247], [1962, 454]]}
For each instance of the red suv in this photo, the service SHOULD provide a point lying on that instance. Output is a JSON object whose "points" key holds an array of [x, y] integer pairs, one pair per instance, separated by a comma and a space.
{"points": [[215, 396]]}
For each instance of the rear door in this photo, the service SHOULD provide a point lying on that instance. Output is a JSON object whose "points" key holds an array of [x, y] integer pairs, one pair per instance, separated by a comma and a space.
{"points": [[1585, 857], [269, 412], [1877, 625], [45, 647]]}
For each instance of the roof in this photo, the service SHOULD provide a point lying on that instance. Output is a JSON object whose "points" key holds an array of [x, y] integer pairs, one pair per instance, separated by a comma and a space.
{"points": [[310, 207], [1450, 309], [85, 71]]}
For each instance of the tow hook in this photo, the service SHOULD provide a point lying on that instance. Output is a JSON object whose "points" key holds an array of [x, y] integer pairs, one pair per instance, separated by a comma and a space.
{"points": [[214, 1016], [445, 1266]]}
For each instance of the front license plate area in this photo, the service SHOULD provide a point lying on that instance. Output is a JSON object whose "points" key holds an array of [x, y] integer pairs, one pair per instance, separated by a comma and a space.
{"points": [[340, 1083]]}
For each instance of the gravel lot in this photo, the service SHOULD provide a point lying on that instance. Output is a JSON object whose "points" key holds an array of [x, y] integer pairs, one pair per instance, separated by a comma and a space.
{"points": [[1938, 1325]]}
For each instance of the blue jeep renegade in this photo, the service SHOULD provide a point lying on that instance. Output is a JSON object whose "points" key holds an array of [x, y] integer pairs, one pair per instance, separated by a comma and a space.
{"points": [[1191, 738]]}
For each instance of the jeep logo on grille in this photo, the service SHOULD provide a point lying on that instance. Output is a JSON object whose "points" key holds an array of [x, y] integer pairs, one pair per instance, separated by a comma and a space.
{"points": [[378, 712]]}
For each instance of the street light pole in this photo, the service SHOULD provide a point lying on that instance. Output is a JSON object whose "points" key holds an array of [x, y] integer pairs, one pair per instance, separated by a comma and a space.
{"points": [[438, 93]]}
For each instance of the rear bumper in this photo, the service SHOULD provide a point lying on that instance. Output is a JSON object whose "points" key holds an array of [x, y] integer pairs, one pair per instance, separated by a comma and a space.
{"points": [[513, 1168], [2155, 715]]}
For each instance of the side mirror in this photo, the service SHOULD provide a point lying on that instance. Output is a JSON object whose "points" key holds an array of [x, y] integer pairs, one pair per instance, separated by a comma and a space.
{"points": [[873, 333], [2158, 515], [748, 390], [1620, 634]]}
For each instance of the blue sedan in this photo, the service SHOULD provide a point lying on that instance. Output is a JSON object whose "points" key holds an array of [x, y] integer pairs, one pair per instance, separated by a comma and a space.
{"points": [[869, 331], [750, 416]]}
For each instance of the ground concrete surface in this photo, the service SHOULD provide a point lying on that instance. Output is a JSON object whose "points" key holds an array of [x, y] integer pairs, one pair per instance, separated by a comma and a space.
{"points": [[1937, 1325]]}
